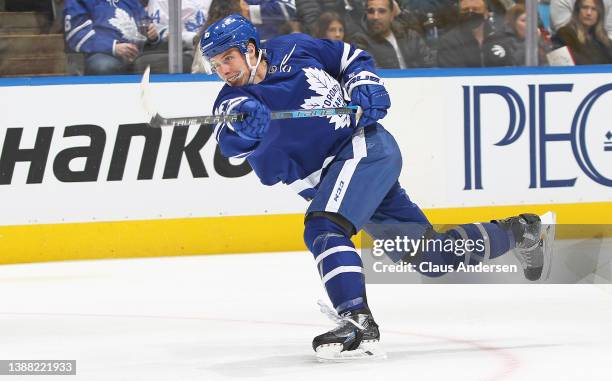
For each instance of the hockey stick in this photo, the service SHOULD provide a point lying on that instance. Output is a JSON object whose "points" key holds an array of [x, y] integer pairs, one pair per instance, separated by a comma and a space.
{"points": [[156, 120]]}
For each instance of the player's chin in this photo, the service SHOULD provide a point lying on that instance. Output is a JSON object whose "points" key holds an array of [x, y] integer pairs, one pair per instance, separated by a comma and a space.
{"points": [[235, 80]]}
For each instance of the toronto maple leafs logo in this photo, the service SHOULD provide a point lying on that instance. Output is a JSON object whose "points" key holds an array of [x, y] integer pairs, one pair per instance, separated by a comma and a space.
{"points": [[126, 25], [113, 2], [197, 22], [329, 94]]}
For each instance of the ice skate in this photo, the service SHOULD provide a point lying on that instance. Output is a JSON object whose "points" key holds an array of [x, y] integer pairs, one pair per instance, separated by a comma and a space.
{"points": [[534, 236], [355, 338]]}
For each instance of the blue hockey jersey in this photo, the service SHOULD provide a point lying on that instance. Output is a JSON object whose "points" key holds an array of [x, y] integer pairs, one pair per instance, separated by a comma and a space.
{"points": [[303, 73], [95, 26], [269, 16]]}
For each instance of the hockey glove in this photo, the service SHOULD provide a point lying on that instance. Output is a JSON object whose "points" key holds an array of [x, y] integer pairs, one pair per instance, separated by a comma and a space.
{"points": [[374, 102], [256, 121]]}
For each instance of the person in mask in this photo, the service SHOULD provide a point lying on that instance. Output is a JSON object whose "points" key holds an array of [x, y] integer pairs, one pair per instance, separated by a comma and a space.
{"points": [[473, 42]]}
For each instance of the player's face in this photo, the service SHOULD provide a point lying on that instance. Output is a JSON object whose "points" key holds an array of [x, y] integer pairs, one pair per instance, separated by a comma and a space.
{"points": [[231, 67], [379, 16], [335, 31], [588, 13]]}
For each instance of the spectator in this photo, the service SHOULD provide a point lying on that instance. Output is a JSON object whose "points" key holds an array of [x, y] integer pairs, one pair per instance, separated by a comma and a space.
{"points": [[193, 16], [406, 16], [473, 42], [561, 13], [270, 16], [585, 35], [351, 11], [107, 32], [443, 12], [391, 44], [497, 13], [221, 8], [516, 22], [330, 25]]}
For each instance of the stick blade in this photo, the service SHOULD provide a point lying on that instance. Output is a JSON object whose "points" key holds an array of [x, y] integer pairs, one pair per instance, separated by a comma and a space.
{"points": [[146, 76], [145, 99], [548, 221]]}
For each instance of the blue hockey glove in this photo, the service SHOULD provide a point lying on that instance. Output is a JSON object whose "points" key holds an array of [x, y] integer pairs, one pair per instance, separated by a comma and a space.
{"points": [[256, 121], [373, 100]]}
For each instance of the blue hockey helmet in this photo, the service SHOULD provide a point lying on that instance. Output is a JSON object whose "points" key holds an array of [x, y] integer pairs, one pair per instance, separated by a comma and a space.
{"points": [[233, 31]]}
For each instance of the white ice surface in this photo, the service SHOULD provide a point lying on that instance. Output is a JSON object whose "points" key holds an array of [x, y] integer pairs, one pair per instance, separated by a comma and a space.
{"points": [[252, 317]]}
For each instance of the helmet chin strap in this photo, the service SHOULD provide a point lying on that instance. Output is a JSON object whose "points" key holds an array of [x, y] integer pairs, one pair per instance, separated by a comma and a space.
{"points": [[251, 67]]}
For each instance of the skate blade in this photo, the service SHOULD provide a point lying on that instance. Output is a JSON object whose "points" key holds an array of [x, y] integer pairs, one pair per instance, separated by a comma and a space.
{"points": [[548, 221], [368, 350]]}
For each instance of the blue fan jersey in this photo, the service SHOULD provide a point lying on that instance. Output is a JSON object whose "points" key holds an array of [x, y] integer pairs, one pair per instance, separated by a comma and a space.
{"points": [[270, 15], [303, 73], [96, 26]]}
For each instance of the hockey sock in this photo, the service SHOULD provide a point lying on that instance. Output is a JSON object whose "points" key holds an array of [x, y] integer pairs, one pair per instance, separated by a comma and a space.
{"points": [[338, 263]]}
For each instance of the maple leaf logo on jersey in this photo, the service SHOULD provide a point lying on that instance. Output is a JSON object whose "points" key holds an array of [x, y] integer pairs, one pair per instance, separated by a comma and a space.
{"points": [[126, 25], [196, 24], [329, 95]]}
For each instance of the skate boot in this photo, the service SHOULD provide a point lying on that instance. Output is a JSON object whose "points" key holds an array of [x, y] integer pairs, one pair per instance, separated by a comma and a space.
{"points": [[356, 337], [534, 236]]}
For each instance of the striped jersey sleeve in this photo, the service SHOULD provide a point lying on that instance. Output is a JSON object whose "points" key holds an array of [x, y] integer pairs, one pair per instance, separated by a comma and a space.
{"points": [[80, 33]]}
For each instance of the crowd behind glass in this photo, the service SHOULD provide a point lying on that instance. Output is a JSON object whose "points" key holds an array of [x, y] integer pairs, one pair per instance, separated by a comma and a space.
{"points": [[125, 36]]}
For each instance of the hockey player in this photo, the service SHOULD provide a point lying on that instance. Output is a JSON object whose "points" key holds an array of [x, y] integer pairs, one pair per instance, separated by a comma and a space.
{"points": [[348, 170]]}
